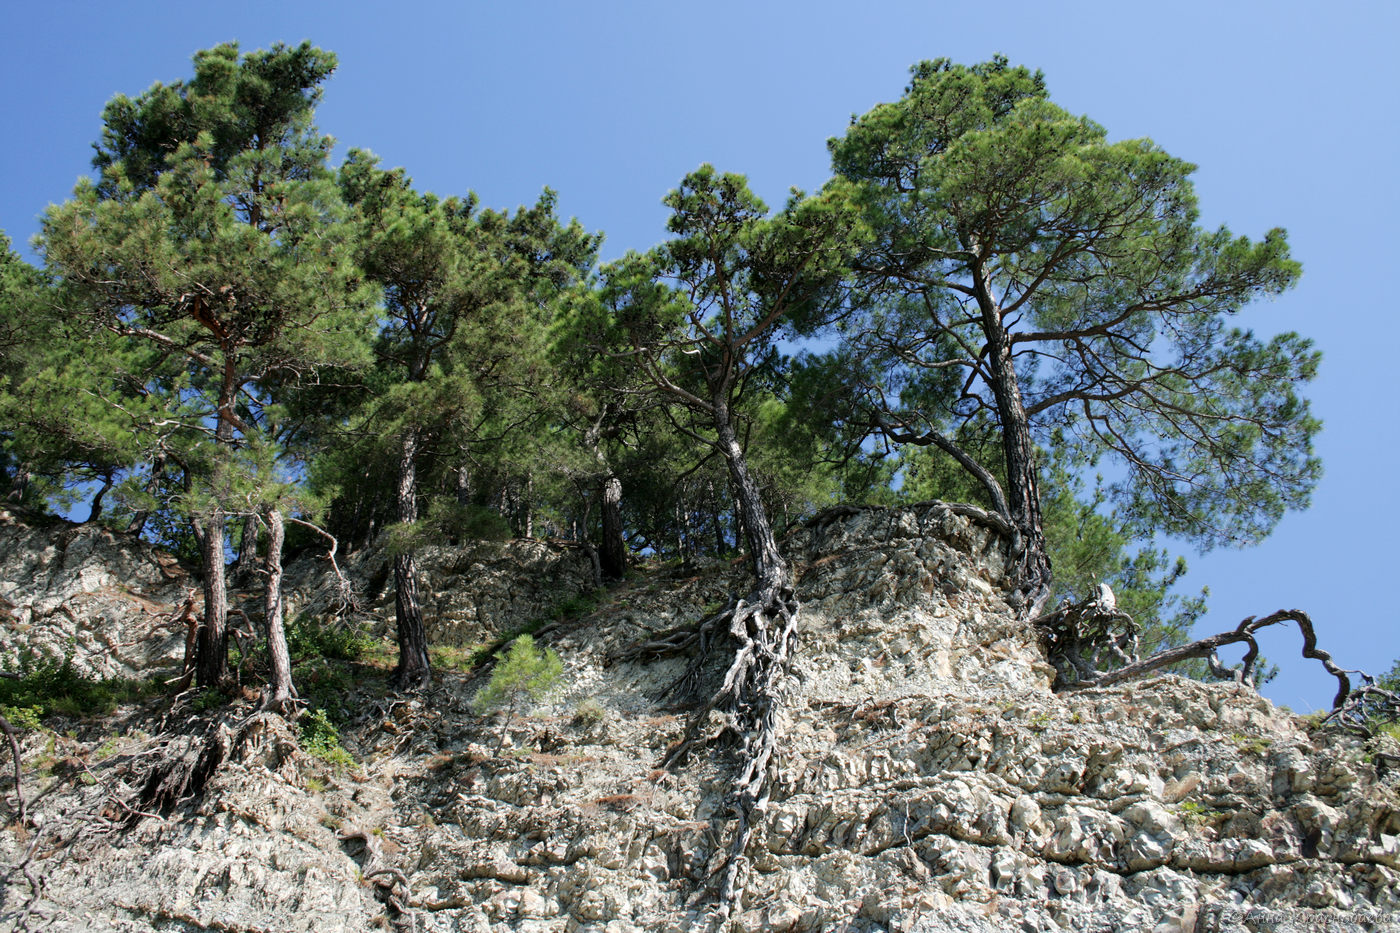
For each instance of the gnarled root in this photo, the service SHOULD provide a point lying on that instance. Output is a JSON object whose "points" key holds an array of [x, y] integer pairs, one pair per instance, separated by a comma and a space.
{"points": [[182, 770], [1070, 629], [695, 640], [182, 765], [390, 884], [1080, 637], [762, 628]]}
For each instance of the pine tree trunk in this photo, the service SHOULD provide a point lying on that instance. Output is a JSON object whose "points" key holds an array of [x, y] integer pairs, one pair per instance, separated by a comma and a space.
{"points": [[769, 567], [279, 693], [212, 665], [414, 669], [613, 554], [1023, 488], [463, 485], [211, 645], [764, 626]]}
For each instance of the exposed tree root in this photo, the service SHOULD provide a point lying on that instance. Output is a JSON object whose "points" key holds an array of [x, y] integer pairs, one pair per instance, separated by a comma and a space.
{"points": [[1079, 638], [695, 640], [390, 884], [181, 769], [19, 916], [762, 630], [181, 766], [1083, 635]]}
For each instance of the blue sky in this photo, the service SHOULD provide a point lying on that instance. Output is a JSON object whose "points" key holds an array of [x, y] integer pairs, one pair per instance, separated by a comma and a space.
{"points": [[1289, 111]]}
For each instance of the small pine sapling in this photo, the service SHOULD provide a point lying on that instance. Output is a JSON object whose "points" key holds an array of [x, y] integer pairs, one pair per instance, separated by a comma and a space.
{"points": [[523, 672]]}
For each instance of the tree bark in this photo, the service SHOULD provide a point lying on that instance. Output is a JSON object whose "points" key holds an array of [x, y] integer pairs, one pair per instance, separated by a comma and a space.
{"points": [[463, 485], [769, 568], [1023, 488], [279, 693], [414, 669], [612, 555], [212, 666], [211, 644]]}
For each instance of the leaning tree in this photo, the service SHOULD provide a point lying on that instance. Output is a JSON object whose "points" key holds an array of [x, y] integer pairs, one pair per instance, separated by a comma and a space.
{"points": [[1030, 275], [700, 317]]}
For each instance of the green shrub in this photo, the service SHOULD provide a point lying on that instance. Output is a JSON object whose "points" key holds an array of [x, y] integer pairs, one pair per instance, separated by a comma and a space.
{"points": [[207, 699], [309, 637], [524, 673], [1198, 814], [589, 713], [447, 522], [47, 686], [321, 739], [24, 718]]}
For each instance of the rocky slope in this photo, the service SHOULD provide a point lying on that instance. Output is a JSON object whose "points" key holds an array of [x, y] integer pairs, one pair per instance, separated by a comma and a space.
{"points": [[931, 782], [105, 600]]}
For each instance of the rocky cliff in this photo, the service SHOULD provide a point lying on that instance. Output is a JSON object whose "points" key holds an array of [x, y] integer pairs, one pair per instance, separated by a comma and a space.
{"points": [[107, 601], [930, 781]]}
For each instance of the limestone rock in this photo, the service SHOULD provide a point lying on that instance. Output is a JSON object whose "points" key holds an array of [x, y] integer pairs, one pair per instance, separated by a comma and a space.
{"points": [[104, 599], [930, 782]]}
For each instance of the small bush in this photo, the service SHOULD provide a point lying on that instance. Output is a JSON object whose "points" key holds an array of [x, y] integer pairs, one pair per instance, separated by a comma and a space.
{"points": [[24, 718], [311, 638], [47, 686], [321, 739], [457, 658], [589, 713], [1198, 814], [449, 522], [524, 673], [1256, 745], [207, 699]]}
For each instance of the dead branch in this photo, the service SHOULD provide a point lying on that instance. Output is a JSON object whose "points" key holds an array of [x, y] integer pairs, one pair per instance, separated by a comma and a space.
{"points": [[185, 616], [345, 593], [1079, 635]]}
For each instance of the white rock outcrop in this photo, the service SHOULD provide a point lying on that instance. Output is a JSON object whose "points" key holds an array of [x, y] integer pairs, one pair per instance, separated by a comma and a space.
{"points": [[930, 781], [105, 600]]}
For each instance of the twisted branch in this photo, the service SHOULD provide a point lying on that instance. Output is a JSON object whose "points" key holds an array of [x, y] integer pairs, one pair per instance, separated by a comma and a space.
{"points": [[1078, 635]]}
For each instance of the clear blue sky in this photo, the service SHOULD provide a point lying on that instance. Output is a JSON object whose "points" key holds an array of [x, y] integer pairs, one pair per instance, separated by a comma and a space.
{"points": [[1289, 110]]}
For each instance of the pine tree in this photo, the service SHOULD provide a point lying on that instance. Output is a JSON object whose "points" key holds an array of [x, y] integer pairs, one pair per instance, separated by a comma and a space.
{"points": [[464, 295], [1026, 269], [215, 234]]}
